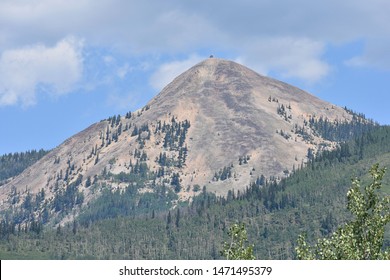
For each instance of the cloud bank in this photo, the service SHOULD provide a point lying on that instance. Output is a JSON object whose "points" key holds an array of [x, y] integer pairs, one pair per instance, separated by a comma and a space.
{"points": [[290, 38], [26, 70]]}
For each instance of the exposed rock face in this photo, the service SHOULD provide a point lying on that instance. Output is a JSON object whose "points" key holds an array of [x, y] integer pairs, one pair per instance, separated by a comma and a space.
{"points": [[220, 117]]}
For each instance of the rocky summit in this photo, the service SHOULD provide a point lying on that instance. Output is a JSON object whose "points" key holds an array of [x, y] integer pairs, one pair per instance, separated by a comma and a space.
{"points": [[218, 125]]}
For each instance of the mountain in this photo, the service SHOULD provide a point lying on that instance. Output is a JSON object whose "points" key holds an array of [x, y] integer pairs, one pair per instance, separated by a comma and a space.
{"points": [[311, 200], [219, 125]]}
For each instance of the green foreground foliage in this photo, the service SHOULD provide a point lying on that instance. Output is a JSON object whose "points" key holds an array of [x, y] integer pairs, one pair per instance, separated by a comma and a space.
{"points": [[235, 249], [361, 238]]}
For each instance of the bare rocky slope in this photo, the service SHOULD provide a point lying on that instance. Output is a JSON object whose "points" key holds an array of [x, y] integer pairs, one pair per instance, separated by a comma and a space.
{"points": [[219, 125]]}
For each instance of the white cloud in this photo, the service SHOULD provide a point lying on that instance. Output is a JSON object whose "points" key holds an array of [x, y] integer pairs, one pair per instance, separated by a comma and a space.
{"points": [[123, 71], [168, 71], [24, 70], [291, 57], [376, 54], [175, 23], [112, 66], [108, 59], [146, 28]]}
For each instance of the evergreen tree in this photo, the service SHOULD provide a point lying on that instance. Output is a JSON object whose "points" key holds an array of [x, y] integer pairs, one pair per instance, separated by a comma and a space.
{"points": [[177, 222], [169, 220], [88, 182]]}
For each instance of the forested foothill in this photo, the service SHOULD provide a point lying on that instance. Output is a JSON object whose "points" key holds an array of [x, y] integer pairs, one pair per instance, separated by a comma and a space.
{"points": [[131, 225], [12, 164]]}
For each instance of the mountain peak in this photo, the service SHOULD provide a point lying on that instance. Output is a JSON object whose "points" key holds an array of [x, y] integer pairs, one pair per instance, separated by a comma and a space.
{"points": [[216, 69], [235, 113], [216, 83], [219, 124]]}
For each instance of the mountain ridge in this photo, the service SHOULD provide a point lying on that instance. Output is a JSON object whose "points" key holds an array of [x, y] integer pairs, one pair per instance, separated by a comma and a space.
{"points": [[218, 124]]}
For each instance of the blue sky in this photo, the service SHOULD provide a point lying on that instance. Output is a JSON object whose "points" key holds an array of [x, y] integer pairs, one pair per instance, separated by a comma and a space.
{"points": [[65, 65]]}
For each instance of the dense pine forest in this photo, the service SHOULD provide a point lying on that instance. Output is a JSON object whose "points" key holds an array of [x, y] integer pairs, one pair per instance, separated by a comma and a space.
{"points": [[13, 164], [129, 225]]}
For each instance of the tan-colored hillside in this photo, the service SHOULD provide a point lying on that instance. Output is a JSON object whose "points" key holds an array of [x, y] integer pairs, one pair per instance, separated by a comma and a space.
{"points": [[219, 114]]}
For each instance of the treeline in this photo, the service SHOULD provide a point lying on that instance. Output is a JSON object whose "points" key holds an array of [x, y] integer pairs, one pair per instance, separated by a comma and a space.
{"points": [[13, 164], [342, 130], [127, 202]]}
